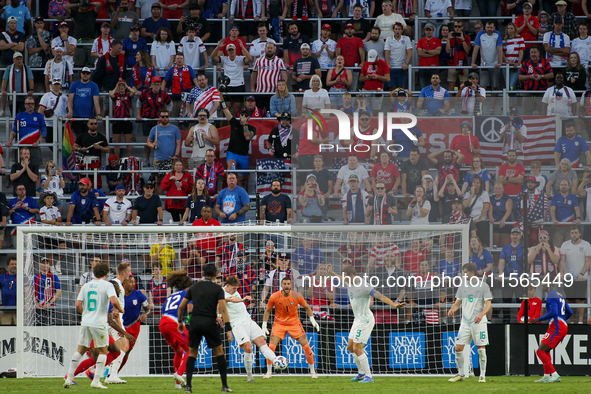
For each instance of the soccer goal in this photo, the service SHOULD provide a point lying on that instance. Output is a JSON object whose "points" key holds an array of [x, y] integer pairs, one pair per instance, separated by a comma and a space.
{"points": [[411, 263]]}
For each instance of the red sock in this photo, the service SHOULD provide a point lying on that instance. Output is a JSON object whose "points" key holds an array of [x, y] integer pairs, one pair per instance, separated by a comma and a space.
{"points": [[178, 358], [309, 354], [111, 357], [183, 366], [547, 361], [272, 347], [84, 365]]}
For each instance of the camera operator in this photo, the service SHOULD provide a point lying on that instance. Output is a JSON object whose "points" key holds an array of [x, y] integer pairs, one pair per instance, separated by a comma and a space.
{"points": [[311, 201], [472, 94]]}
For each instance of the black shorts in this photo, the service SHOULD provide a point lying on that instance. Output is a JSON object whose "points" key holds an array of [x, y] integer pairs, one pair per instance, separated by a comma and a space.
{"points": [[236, 98], [124, 127], [147, 126], [204, 327]]}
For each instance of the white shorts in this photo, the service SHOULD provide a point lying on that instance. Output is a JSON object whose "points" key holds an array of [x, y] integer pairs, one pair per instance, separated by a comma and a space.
{"points": [[246, 332], [473, 332], [87, 334], [360, 332], [114, 333]]}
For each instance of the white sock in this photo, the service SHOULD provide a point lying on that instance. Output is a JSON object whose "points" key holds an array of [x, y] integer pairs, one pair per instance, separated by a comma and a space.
{"points": [[100, 368], [248, 362], [268, 353], [359, 367], [74, 364], [460, 362], [467, 360], [311, 368], [482, 361], [554, 374], [269, 368], [115, 365], [364, 361]]}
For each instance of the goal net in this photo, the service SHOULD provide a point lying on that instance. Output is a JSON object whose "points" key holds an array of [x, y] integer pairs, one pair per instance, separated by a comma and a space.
{"points": [[402, 262]]}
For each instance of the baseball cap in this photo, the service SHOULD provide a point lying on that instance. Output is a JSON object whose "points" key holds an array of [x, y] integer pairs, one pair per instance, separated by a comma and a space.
{"points": [[353, 177], [230, 46], [17, 54], [349, 25], [12, 18], [310, 176], [105, 24], [155, 79], [134, 27], [561, 2], [149, 183], [285, 256], [119, 187], [558, 18], [513, 110], [85, 70], [543, 232], [527, 3], [61, 24], [427, 176], [56, 81], [113, 158], [326, 26], [457, 199], [304, 45], [156, 5], [372, 55], [250, 98], [401, 93], [85, 181], [530, 178], [235, 27], [58, 48], [429, 26], [285, 115], [38, 19], [516, 230], [240, 253], [473, 75]]}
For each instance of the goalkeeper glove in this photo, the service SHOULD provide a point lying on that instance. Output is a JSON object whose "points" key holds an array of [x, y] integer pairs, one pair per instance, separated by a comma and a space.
{"points": [[265, 331], [314, 324]]}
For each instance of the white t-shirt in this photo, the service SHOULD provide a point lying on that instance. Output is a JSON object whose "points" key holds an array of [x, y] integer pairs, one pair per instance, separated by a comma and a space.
{"points": [[106, 47], [316, 100], [234, 69], [48, 101], [473, 299], [345, 172], [257, 48], [58, 70], [397, 49], [438, 8], [54, 185], [560, 41], [360, 298], [479, 205], [471, 99], [58, 42], [50, 213], [463, 5], [559, 101], [294, 272], [163, 52], [117, 210], [324, 60], [192, 50], [95, 297], [583, 48], [575, 256], [416, 217], [489, 54], [236, 310], [196, 150], [385, 23], [588, 205]]}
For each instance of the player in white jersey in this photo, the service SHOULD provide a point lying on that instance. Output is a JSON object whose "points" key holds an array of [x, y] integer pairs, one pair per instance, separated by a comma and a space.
{"points": [[93, 302], [475, 298], [122, 338], [360, 293], [244, 329]]}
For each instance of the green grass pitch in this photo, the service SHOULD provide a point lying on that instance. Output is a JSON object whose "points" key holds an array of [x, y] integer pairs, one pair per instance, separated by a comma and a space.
{"points": [[322, 385]]}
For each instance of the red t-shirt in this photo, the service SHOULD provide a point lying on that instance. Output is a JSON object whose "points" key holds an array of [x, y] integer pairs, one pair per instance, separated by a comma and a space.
{"points": [[379, 68], [412, 260], [388, 175], [462, 144], [176, 14], [228, 41], [206, 245], [350, 50], [507, 171], [526, 33], [430, 45]]}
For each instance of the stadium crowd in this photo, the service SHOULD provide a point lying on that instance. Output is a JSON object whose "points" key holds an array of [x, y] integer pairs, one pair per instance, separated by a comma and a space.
{"points": [[131, 68]]}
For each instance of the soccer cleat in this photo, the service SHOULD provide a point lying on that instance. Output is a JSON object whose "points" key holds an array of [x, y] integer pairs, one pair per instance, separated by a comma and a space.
{"points": [[482, 379], [178, 386], [553, 379], [73, 381], [268, 375], [97, 385], [90, 374], [357, 378], [115, 380], [314, 375], [67, 383], [188, 389], [457, 378], [226, 389], [544, 379], [250, 380], [366, 379], [180, 380]]}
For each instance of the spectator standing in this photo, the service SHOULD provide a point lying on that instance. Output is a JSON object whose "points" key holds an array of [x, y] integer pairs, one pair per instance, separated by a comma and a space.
{"points": [[511, 174], [388, 19], [568, 19], [123, 19], [259, 45], [428, 50], [17, 78], [39, 49], [177, 183], [538, 209], [354, 202], [528, 27], [559, 99], [352, 49], [8, 293], [117, 209], [564, 208], [233, 67], [203, 96], [449, 266], [283, 139], [534, 75], [122, 95], [58, 68], [543, 258], [111, 67], [276, 207], [102, 44], [143, 8], [233, 202], [536, 167], [398, 55], [20, 12], [92, 144], [181, 79], [292, 44], [212, 172], [448, 166], [165, 139], [304, 68], [514, 47], [193, 48], [489, 44], [412, 172], [472, 95], [511, 262], [367, 10], [83, 101], [458, 47], [164, 254], [151, 25], [233, 39], [56, 11], [205, 132], [53, 181], [339, 79], [435, 97], [582, 45], [361, 25], [381, 208], [29, 128], [534, 306], [419, 207], [385, 172], [148, 207], [312, 201], [132, 45], [282, 101], [24, 173], [158, 290], [480, 256], [466, 143], [438, 10], [571, 146], [84, 206], [374, 42], [196, 21], [563, 172], [324, 49], [200, 252], [11, 42], [514, 133], [226, 254], [266, 73], [163, 51], [557, 44], [172, 10], [198, 199], [477, 202], [47, 289], [150, 103], [22, 209], [84, 18], [316, 97], [575, 74], [448, 194], [345, 172], [374, 73]]}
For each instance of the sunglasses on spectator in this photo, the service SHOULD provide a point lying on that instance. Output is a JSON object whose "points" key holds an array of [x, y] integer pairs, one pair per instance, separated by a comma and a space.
{"points": [[202, 116], [85, 72], [149, 186], [285, 119], [164, 116], [29, 103], [365, 119], [93, 124], [380, 188]]}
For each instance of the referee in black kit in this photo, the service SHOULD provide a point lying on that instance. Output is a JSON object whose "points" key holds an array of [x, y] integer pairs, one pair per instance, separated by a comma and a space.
{"points": [[207, 297]]}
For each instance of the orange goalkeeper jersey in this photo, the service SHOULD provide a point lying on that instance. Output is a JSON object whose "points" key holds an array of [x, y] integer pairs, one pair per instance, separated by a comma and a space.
{"points": [[286, 308]]}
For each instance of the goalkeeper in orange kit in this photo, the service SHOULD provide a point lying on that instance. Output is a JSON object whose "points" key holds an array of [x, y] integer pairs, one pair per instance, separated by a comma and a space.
{"points": [[286, 302]]}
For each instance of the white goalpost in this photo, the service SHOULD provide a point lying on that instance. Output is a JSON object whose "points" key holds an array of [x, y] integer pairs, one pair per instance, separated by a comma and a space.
{"points": [[418, 339]]}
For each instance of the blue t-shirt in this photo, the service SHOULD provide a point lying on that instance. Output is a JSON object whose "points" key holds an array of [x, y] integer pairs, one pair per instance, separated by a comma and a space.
{"points": [[231, 201], [171, 305], [83, 207], [21, 13], [513, 257], [565, 207], [133, 307], [84, 94], [167, 138], [402, 139], [499, 206], [101, 203], [168, 79], [21, 215], [29, 126], [481, 262], [18, 76], [8, 287], [307, 260], [434, 99], [571, 149], [152, 26], [213, 7], [131, 48], [450, 268], [483, 174], [557, 309]]}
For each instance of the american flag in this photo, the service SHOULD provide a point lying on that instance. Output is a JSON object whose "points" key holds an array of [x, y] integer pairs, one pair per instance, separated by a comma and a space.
{"points": [[539, 144], [538, 208], [265, 175]]}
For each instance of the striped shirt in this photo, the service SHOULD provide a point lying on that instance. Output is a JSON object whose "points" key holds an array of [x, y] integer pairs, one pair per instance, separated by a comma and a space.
{"points": [[158, 293], [512, 48], [203, 98], [379, 252], [541, 67], [152, 102], [122, 105], [268, 73]]}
